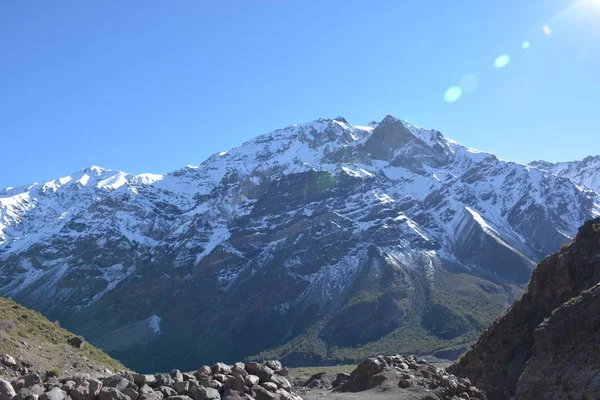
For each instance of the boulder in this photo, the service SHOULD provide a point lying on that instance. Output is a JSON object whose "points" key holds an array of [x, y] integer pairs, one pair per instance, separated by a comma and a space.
{"points": [[8, 360], [204, 393], [179, 397], [7, 392], [251, 380], [285, 395], [116, 381], [77, 341], [163, 380], [181, 387], [282, 372], [281, 382], [237, 384], [203, 370], [54, 394], [365, 376], [264, 373], [141, 379], [31, 379], [68, 386], [340, 379], [221, 368], [264, 394], [270, 386], [132, 393], [252, 367], [153, 395], [86, 390], [167, 391], [111, 393], [52, 383], [29, 393], [176, 375], [274, 364]]}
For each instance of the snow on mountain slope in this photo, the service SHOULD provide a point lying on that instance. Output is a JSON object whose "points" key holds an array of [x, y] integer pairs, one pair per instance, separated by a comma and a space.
{"points": [[585, 172], [313, 229]]}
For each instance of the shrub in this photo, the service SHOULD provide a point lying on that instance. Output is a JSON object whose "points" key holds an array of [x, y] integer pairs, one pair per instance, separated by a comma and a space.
{"points": [[54, 372]]}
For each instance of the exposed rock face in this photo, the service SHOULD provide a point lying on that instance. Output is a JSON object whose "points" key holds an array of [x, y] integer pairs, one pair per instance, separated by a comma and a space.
{"points": [[317, 242], [585, 172], [546, 346]]}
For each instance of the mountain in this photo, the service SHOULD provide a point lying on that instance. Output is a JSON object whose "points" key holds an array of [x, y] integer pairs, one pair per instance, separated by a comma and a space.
{"points": [[546, 346], [29, 343], [585, 172], [317, 243]]}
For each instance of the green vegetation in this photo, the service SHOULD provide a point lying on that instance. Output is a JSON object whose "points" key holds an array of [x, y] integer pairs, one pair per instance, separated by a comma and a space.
{"points": [[54, 372], [20, 323], [303, 373]]}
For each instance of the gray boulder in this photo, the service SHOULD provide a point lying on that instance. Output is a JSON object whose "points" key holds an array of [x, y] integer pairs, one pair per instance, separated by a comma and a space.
{"points": [[54, 394], [86, 390], [68, 386], [264, 394], [29, 393], [131, 393], [167, 391], [274, 364], [281, 382], [8, 360], [110, 393], [178, 397], [252, 367], [264, 373], [163, 380], [251, 380], [31, 379], [221, 368], [204, 393], [142, 379], [176, 375], [116, 381], [154, 395], [181, 387], [270, 386], [7, 392]]}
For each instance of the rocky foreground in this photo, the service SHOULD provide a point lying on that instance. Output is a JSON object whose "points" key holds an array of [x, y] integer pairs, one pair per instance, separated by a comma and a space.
{"points": [[384, 377]]}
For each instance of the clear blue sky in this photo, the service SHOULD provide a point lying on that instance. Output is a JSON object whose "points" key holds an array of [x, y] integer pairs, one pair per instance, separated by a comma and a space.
{"points": [[150, 86]]}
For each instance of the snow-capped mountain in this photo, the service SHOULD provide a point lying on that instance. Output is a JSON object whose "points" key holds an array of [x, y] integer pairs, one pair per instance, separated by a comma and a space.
{"points": [[317, 242], [585, 172]]}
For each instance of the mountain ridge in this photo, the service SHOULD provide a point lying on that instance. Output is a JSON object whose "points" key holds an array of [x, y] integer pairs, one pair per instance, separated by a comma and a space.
{"points": [[301, 230]]}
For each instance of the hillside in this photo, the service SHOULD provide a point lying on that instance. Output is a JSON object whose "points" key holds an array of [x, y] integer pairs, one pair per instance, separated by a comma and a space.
{"points": [[317, 243], [42, 346], [546, 345]]}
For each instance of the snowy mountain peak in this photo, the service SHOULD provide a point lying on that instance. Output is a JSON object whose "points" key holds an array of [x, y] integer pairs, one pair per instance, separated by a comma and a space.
{"points": [[585, 172]]}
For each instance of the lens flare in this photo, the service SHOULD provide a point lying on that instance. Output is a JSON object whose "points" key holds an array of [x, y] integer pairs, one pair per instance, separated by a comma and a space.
{"points": [[547, 30], [501, 61], [525, 45], [452, 94]]}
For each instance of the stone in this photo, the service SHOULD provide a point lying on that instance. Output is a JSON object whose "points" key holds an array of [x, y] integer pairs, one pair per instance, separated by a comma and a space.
{"points": [[54, 394], [252, 367], [181, 387], [77, 341], [179, 397], [274, 364], [264, 373], [204, 393], [264, 394], [215, 385], [154, 395], [237, 383], [86, 390], [33, 391], [365, 376], [239, 371], [270, 386], [111, 393], [203, 370], [251, 380], [52, 383], [340, 379], [132, 393], [282, 372], [31, 379], [116, 381], [221, 368], [7, 392], [404, 383], [141, 379], [68, 386], [281, 382], [163, 380], [176, 375], [167, 391], [8, 360]]}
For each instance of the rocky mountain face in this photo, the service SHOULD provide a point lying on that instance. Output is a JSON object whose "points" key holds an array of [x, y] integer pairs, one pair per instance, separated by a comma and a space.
{"points": [[321, 242], [546, 346], [584, 173]]}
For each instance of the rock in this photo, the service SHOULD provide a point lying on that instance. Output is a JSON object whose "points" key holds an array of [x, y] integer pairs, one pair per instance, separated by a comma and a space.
{"points": [[163, 380], [270, 386], [237, 383], [29, 393], [285, 395], [111, 393], [215, 385], [238, 370], [181, 387], [274, 364], [187, 376], [132, 393], [282, 372], [153, 395], [220, 377], [54, 394], [322, 380], [8, 360], [116, 381], [176, 375], [7, 392], [18, 384], [251, 380], [281, 382], [251, 367], [404, 383], [179, 397], [264, 394], [77, 341], [145, 390], [221, 368], [167, 391], [86, 390], [340, 379], [204, 393], [31, 379], [142, 380], [365, 376], [52, 383], [204, 370], [68, 386], [264, 373]]}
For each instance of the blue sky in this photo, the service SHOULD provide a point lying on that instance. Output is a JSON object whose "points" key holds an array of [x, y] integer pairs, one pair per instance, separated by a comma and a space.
{"points": [[152, 86]]}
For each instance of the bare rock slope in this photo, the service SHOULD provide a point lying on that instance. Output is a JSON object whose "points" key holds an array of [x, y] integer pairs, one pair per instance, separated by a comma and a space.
{"points": [[546, 345]]}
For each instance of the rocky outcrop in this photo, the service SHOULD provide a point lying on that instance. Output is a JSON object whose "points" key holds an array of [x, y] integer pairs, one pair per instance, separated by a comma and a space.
{"points": [[221, 381], [546, 345]]}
